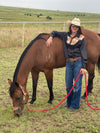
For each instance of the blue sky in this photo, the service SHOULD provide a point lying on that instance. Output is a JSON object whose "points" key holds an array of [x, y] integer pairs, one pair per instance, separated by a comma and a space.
{"points": [[91, 6]]}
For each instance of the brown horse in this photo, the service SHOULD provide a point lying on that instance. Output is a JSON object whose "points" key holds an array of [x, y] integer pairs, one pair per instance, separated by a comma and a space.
{"points": [[37, 57]]}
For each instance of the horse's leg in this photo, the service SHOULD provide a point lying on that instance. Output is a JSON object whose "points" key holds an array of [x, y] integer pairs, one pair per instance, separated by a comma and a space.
{"points": [[35, 75], [49, 77], [91, 75]]}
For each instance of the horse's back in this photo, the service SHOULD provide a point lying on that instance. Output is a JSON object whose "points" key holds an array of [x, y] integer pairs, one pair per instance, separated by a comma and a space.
{"points": [[50, 57], [93, 43], [90, 35], [42, 57]]}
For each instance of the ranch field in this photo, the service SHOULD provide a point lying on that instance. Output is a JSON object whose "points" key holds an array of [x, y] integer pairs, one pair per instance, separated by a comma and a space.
{"points": [[59, 120]]}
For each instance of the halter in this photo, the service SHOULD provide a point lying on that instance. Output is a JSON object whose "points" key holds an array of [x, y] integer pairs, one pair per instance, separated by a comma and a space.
{"points": [[24, 93], [21, 88]]}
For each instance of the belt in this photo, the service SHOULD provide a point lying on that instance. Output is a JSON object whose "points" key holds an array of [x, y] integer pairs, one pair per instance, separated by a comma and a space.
{"points": [[73, 59]]}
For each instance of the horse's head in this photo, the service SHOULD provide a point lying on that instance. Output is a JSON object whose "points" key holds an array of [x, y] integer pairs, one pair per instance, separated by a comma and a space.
{"points": [[16, 94]]}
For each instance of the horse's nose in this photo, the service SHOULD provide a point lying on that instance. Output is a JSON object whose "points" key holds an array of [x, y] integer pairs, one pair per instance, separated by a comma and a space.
{"points": [[17, 115], [18, 112]]}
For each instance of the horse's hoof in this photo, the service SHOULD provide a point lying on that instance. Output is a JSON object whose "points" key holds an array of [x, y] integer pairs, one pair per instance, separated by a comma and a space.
{"points": [[50, 102], [31, 102]]}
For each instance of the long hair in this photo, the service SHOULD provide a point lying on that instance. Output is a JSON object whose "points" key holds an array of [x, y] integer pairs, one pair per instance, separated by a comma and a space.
{"points": [[79, 30]]}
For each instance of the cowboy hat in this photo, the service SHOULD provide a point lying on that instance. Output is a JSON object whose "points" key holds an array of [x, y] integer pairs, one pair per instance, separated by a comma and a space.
{"points": [[75, 21]]}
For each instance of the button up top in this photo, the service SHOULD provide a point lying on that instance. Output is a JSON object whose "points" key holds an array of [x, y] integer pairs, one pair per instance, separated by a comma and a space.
{"points": [[74, 47]]}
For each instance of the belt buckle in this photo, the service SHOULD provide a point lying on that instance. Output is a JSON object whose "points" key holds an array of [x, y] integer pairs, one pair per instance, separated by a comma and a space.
{"points": [[71, 60]]}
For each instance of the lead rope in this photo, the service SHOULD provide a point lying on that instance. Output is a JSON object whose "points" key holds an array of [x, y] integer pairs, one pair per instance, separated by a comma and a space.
{"points": [[67, 96]]}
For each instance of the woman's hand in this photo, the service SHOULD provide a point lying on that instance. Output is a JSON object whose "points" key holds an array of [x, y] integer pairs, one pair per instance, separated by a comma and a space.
{"points": [[83, 70], [49, 42]]}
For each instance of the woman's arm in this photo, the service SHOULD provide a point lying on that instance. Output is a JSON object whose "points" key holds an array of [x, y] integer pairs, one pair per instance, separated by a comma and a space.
{"points": [[52, 35], [49, 41], [57, 34]]}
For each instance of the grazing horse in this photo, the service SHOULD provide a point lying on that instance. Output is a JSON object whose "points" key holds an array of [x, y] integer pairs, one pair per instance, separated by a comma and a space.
{"points": [[37, 57]]}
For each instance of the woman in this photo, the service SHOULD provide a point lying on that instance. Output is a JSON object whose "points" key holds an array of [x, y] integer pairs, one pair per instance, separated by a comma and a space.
{"points": [[76, 59]]}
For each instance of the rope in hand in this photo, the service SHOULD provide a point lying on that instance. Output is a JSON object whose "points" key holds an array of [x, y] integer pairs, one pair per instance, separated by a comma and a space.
{"points": [[68, 95]]}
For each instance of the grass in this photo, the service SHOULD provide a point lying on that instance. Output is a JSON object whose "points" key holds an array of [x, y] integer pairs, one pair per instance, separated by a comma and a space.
{"points": [[59, 120], [26, 14]]}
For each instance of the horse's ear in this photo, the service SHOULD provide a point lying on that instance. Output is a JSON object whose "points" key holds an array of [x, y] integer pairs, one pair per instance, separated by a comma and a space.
{"points": [[9, 81]]}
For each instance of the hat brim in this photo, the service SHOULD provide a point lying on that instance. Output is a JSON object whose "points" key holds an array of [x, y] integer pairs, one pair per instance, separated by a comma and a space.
{"points": [[69, 24]]}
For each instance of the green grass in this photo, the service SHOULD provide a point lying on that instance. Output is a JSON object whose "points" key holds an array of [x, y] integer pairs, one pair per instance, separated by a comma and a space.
{"points": [[26, 14], [59, 120]]}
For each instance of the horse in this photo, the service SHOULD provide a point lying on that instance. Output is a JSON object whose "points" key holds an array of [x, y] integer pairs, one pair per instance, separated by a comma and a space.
{"points": [[37, 57]]}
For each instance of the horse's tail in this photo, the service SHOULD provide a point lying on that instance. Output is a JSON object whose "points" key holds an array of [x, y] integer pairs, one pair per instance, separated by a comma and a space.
{"points": [[98, 64]]}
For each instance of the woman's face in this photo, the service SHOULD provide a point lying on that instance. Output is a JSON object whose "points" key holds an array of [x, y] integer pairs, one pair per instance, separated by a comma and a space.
{"points": [[74, 28]]}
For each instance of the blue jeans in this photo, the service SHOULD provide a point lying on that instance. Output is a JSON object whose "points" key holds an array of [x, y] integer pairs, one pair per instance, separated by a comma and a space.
{"points": [[72, 71]]}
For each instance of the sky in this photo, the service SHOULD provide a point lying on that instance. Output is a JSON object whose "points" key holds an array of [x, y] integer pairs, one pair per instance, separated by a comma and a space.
{"points": [[88, 6]]}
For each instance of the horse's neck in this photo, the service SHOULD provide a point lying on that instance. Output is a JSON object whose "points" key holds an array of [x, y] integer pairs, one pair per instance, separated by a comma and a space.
{"points": [[26, 65], [23, 72]]}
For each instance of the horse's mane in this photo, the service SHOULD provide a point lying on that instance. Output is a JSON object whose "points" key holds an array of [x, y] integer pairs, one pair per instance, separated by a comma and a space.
{"points": [[12, 87]]}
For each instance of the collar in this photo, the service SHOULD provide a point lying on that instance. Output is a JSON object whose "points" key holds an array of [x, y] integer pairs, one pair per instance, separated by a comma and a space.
{"points": [[77, 35]]}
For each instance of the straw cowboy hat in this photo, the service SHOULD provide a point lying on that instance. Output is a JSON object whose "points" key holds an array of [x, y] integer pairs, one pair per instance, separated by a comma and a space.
{"points": [[75, 21]]}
